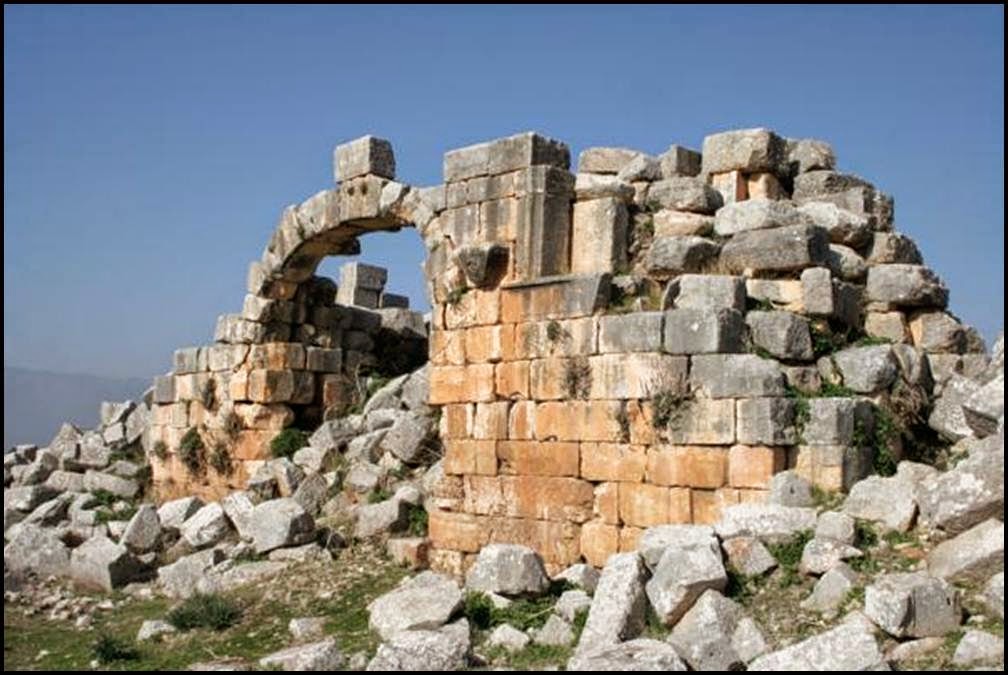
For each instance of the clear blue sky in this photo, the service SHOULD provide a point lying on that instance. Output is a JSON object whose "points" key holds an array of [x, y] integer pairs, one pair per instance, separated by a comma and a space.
{"points": [[149, 151]]}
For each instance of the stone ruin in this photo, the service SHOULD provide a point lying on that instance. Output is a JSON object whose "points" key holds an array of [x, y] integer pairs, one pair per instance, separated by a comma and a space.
{"points": [[643, 342]]}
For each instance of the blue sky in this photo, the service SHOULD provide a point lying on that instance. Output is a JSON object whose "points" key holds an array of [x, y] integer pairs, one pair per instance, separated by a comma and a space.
{"points": [[148, 151]]}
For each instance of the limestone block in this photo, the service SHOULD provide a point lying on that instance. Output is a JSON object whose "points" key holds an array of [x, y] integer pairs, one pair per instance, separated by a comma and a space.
{"points": [[641, 168], [904, 285], [782, 334], [838, 421], [832, 467], [605, 160], [555, 298], [887, 325], [679, 161], [186, 360], [937, 332], [766, 421], [809, 154], [599, 238], [319, 359], [687, 466], [707, 291], [684, 194], [758, 214], [671, 223], [542, 247], [779, 249], [842, 226], [277, 356], [786, 294], [893, 247], [735, 376], [731, 185], [363, 156], [525, 150], [589, 186], [270, 386], [635, 376], [703, 422], [534, 458], [764, 185], [703, 331], [634, 332], [164, 389], [846, 264], [749, 150], [671, 255], [612, 462]]}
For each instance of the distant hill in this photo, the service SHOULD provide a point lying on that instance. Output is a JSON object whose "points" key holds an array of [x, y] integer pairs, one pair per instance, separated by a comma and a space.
{"points": [[37, 402]]}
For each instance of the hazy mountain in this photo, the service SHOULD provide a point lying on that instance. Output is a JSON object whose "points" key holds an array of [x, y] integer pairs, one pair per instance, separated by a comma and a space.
{"points": [[37, 402]]}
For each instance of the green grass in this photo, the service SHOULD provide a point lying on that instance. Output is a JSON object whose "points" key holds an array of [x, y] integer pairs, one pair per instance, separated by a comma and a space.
{"points": [[205, 611], [788, 554], [191, 451], [109, 649], [417, 521], [288, 441], [378, 495]]}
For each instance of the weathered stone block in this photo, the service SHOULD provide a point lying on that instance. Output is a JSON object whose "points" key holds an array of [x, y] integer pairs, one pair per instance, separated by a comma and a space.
{"points": [[613, 462], [903, 285], [636, 376], [731, 185], [679, 161], [534, 458], [363, 156], [555, 298], [754, 466], [670, 223], [758, 214], [525, 150], [270, 386], [779, 249], [684, 194], [893, 247], [706, 291], [838, 421], [735, 375], [702, 331], [888, 325], [766, 421], [703, 422], [599, 238], [749, 150], [687, 466], [674, 255], [809, 154], [634, 332], [605, 160], [783, 334]]}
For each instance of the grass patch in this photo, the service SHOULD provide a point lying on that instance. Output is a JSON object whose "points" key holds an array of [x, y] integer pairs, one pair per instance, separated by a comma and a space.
{"points": [[788, 555], [455, 295], [160, 450], [287, 442], [669, 408], [205, 611], [111, 649], [220, 460], [378, 495], [417, 520], [742, 587], [826, 500]]}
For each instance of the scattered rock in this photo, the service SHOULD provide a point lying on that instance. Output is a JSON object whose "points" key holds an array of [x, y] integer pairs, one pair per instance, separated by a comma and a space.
{"points": [[706, 635], [821, 555], [642, 654], [307, 628], [508, 638], [317, 656], [832, 590], [846, 647], [971, 556], [426, 650], [682, 575], [154, 629], [618, 608], [509, 570], [426, 601], [887, 501], [912, 605], [977, 648]]}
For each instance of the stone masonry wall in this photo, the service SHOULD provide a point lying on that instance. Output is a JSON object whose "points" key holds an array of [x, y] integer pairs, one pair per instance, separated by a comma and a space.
{"points": [[642, 342]]}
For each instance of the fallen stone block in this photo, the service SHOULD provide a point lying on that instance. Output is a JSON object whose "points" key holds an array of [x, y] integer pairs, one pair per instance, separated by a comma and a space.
{"points": [[913, 604], [509, 570], [426, 601]]}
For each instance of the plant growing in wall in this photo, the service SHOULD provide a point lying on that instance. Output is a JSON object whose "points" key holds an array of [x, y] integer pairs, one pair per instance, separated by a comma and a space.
{"points": [[220, 460], [577, 377], [288, 441], [191, 450]]}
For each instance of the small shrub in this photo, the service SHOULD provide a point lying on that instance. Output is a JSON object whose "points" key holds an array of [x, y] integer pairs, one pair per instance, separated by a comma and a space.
{"points": [[378, 495], [208, 394], [205, 611], [109, 649], [417, 520], [865, 536], [232, 425], [668, 408], [455, 295], [803, 411], [554, 331], [653, 206], [577, 377], [287, 442], [191, 451], [826, 500], [101, 498], [832, 390], [645, 226], [160, 450], [220, 460], [478, 609]]}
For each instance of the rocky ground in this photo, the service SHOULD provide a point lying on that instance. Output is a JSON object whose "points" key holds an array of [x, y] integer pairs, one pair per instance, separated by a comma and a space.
{"points": [[318, 564]]}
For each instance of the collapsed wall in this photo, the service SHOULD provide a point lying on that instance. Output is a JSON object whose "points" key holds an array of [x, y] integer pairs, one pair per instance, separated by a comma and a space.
{"points": [[641, 343]]}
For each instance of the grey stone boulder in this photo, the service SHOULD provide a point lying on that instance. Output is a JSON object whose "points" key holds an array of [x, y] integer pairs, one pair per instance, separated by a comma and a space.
{"points": [[364, 477], [707, 291], [684, 193], [757, 214], [65, 481], [846, 647], [780, 249], [143, 533], [27, 498], [747, 150], [893, 247], [600, 186], [679, 161], [979, 648], [974, 555], [619, 607], [101, 563], [480, 263], [175, 512], [913, 604], [228, 576], [681, 576], [509, 570], [835, 525], [181, 578], [556, 632], [671, 255], [312, 493], [783, 334], [842, 226], [306, 627], [605, 160], [508, 638], [416, 390], [384, 517], [426, 601], [821, 555], [154, 629], [887, 501], [316, 656], [334, 433], [444, 649], [52, 512], [809, 154], [984, 407], [36, 549], [770, 523], [948, 417], [655, 540], [866, 369], [748, 556], [206, 527], [279, 523], [571, 603], [642, 654], [581, 575], [313, 460], [706, 635], [787, 488], [736, 375], [903, 285], [641, 168], [409, 438], [238, 507], [127, 488], [39, 470], [993, 595], [387, 397], [831, 590], [966, 495], [845, 263], [913, 649], [94, 453]]}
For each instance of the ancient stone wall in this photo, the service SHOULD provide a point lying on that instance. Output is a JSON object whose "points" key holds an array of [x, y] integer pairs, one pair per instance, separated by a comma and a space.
{"points": [[643, 342]]}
